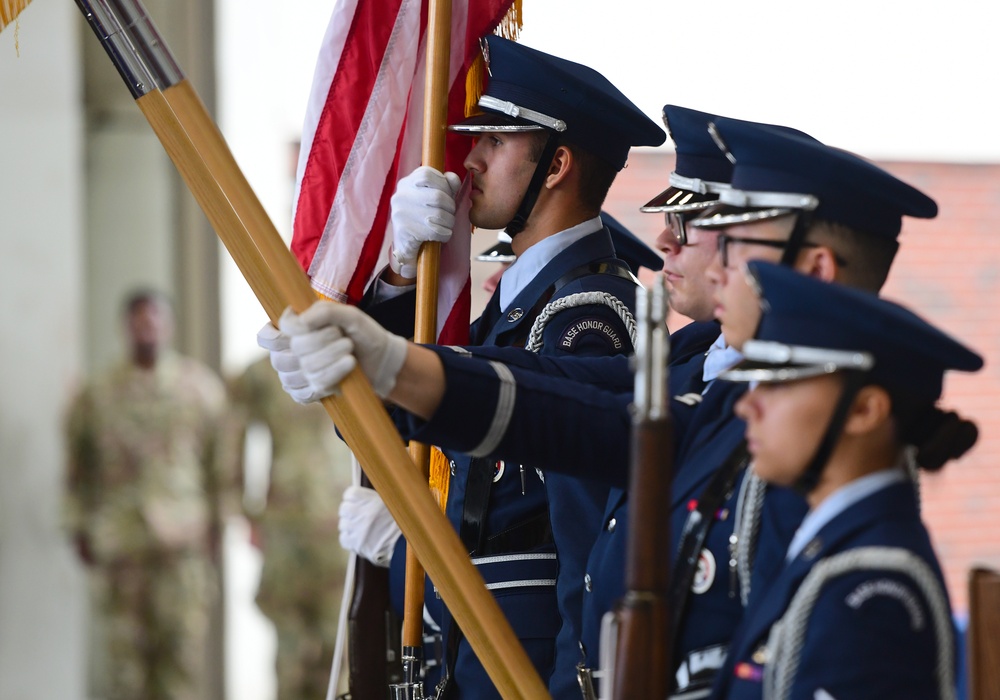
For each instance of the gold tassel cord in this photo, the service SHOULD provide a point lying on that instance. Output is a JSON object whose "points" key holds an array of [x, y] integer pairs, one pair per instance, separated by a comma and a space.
{"points": [[440, 476], [10, 9], [475, 80]]}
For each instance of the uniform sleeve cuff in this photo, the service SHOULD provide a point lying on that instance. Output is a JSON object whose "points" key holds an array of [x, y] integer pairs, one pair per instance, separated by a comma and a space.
{"points": [[476, 407]]}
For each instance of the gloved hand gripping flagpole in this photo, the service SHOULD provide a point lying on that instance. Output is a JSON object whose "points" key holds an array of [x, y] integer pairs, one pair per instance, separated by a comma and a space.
{"points": [[425, 325], [201, 155]]}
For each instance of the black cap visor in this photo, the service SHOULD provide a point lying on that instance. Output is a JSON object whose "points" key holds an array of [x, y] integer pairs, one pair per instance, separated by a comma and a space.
{"points": [[675, 199], [491, 122], [500, 253]]}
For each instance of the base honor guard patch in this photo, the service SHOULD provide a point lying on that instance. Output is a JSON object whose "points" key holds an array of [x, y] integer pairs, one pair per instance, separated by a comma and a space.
{"points": [[592, 326]]}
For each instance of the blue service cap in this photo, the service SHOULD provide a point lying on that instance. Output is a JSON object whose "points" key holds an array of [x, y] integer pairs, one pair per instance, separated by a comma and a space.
{"points": [[502, 252], [702, 171], [531, 90], [628, 247], [810, 327], [777, 173]]}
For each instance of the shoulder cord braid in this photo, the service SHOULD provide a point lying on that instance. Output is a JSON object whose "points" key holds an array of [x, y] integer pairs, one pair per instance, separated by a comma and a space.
{"points": [[534, 343], [787, 635], [747, 527]]}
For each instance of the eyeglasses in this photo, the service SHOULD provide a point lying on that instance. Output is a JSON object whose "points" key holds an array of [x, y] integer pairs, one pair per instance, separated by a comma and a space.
{"points": [[677, 223], [724, 240]]}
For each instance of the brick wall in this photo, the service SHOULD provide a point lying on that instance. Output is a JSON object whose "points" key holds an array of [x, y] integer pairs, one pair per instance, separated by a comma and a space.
{"points": [[948, 270]]}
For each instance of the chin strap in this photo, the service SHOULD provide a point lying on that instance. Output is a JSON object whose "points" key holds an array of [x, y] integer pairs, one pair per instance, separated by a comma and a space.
{"points": [[520, 219], [853, 381]]}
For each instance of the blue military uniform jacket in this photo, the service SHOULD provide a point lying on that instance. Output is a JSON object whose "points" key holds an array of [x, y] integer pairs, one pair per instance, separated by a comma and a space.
{"points": [[595, 412], [586, 399], [713, 601], [872, 633], [604, 585], [730, 568], [517, 555]]}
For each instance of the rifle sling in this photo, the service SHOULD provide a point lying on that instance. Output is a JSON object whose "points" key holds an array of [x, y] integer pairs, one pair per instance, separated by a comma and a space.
{"points": [[479, 483], [696, 529], [527, 535]]}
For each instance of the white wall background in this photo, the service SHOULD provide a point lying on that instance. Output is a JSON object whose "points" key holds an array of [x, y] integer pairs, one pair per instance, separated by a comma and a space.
{"points": [[41, 220]]}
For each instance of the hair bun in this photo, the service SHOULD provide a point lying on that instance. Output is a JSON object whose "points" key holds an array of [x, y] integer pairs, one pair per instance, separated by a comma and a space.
{"points": [[944, 436]]}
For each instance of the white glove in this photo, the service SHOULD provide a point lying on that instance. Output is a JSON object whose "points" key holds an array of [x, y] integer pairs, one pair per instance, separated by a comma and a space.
{"points": [[327, 337], [293, 379], [423, 209], [366, 526]]}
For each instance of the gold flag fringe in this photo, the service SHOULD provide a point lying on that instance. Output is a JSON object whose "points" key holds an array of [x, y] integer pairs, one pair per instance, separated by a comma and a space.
{"points": [[440, 476], [475, 80]]}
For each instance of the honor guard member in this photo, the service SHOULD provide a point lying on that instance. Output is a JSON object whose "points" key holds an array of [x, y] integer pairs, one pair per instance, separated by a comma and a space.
{"points": [[828, 214], [700, 173], [551, 138], [842, 410]]}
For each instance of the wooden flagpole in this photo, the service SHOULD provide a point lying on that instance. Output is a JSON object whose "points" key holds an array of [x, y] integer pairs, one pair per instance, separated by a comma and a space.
{"points": [[425, 319], [194, 144]]}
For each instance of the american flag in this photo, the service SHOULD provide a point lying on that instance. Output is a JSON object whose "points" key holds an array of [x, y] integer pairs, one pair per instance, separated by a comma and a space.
{"points": [[362, 132]]}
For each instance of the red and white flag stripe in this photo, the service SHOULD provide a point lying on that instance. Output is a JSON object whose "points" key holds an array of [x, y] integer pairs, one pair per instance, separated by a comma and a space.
{"points": [[363, 130]]}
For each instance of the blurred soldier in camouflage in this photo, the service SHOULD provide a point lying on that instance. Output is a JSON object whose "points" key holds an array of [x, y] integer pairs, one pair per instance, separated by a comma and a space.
{"points": [[303, 575], [143, 507]]}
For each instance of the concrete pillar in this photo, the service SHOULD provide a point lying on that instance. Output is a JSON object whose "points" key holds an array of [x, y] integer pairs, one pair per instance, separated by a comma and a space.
{"points": [[41, 284]]}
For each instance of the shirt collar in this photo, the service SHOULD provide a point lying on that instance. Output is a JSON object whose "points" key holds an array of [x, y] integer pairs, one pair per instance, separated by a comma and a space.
{"points": [[719, 358], [529, 263], [839, 501]]}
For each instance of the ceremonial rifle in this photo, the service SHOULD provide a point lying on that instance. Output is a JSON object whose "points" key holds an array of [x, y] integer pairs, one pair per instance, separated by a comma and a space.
{"points": [[373, 632], [204, 161], [984, 634], [642, 660]]}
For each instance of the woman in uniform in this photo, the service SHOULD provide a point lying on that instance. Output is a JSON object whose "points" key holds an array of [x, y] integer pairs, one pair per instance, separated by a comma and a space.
{"points": [[843, 409]]}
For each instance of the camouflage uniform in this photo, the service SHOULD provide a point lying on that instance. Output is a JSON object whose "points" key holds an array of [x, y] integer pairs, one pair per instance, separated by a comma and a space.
{"points": [[143, 501], [303, 574]]}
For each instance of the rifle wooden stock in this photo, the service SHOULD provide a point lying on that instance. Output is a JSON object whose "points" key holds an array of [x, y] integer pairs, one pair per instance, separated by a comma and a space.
{"points": [[642, 658], [197, 149], [984, 634], [373, 638], [642, 666]]}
